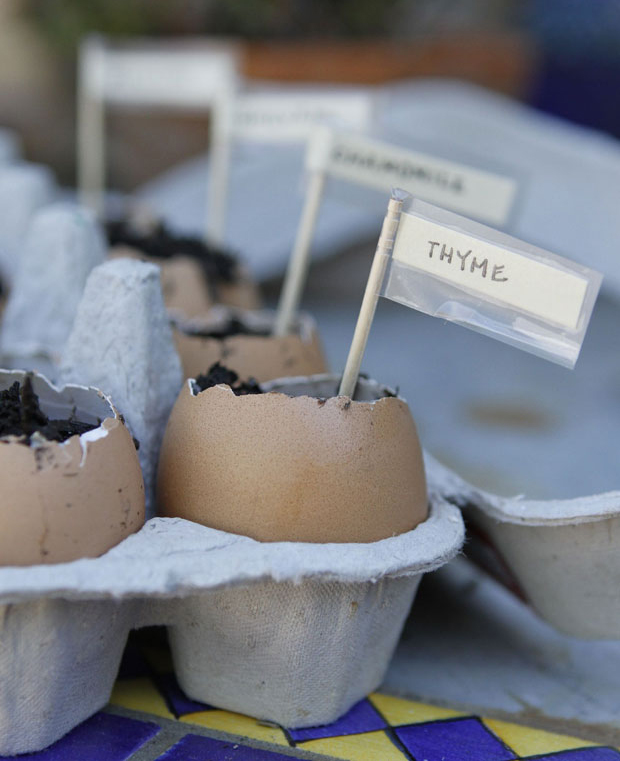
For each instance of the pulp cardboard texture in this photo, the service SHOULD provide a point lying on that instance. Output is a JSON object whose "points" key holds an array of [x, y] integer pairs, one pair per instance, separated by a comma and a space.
{"points": [[121, 342], [186, 290], [211, 585], [297, 464], [62, 246], [66, 500], [24, 189], [183, 283], [261, 357], [562, 555]]}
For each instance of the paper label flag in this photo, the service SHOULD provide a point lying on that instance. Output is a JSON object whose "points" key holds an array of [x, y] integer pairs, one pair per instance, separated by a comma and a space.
{"points": [[371, 163], [292, 115], [450, 267]]}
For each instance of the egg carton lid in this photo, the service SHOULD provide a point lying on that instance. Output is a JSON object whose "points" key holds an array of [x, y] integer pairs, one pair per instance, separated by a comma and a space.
{"points": [[445, 483], [173, 557]]}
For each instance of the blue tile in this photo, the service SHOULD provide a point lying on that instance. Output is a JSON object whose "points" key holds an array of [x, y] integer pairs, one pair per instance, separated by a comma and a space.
{"points": [[453, 740], [363, 717], [195, 748], [177, 700], [583, 754], [103, 737]]}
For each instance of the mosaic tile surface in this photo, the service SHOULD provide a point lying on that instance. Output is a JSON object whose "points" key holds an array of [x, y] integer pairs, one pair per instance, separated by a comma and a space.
{"points": [[378, 728]]}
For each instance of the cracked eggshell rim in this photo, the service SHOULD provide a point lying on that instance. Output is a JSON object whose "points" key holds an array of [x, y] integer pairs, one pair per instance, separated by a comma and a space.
{"points": [[66, 500], [297, 463], [261, 357]]}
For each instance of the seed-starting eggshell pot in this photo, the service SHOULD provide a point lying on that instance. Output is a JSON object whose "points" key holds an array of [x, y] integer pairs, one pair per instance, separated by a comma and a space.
{"points": [[297, 464], [263, 357], [78, 498], [185, 288]]}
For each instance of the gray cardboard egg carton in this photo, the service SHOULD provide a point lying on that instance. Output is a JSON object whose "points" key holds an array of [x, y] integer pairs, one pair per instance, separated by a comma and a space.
{"points": [[199, 581], [320, 622]]}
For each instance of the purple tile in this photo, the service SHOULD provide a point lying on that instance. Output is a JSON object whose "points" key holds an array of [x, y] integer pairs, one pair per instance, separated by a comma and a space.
{"points": [[583, 754], [361, 718], [195, 748], [103, 737], [453, 740], [177, 700]]}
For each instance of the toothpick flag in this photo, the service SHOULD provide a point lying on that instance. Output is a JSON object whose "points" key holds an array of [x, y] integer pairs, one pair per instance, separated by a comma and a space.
{"points": [[448, 266], [287, 115], [379, 165]]}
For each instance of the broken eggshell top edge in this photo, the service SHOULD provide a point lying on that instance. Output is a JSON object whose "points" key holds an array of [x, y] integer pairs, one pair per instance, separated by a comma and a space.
{"points": [[305, 466], [77, 498], [263, 357]]}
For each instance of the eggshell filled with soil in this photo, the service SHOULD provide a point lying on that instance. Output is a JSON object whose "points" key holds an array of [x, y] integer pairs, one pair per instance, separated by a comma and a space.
{"points": [[183, 282], [71, 499], [295, 464], [243, 341]]}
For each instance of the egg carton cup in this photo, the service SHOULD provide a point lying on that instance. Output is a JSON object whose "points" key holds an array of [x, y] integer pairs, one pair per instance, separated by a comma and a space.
{"points": [[262, 357], [291, 632], [561, 556]]}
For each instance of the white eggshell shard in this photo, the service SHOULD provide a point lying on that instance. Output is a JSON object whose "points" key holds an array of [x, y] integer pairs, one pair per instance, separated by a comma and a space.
{"points": [[296, 464], [66, 500], [263, 357]]}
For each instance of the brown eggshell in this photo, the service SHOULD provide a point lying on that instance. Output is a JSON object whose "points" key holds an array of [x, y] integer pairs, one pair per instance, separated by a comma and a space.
{"points": [[183, 282], [261, 357], [63, 501], [242, 294], [292, 468], [185, 287]]}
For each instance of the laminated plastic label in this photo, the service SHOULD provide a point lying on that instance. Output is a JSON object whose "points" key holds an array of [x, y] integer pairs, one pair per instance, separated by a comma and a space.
{"points": [[451, 267]]}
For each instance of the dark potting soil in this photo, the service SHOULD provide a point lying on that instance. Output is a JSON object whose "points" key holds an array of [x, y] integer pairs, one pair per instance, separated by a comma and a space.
{"points": [[218, 264], [21, 416], [232, 327], [219, 374]]}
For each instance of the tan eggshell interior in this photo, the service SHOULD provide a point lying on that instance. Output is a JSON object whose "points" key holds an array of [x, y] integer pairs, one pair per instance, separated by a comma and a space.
{"points": [[244, 293], [259, 357], [280, 468], [185, 287], [59, 503], [183, 283]]}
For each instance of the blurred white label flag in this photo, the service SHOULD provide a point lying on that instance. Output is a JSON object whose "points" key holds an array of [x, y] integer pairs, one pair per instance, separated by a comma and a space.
{"points": [[451, 267], [291, 115], [375, 164]]}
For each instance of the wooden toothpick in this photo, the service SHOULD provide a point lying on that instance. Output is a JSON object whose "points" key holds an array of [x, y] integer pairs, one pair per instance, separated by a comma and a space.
{"points": [[297, 269], [371, 297]]}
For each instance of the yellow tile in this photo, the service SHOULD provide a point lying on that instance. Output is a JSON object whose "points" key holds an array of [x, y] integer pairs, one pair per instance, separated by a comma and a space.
{"points": [[236, 724], [140, 695], [397, 711], [369, 746], [526, 741]]}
